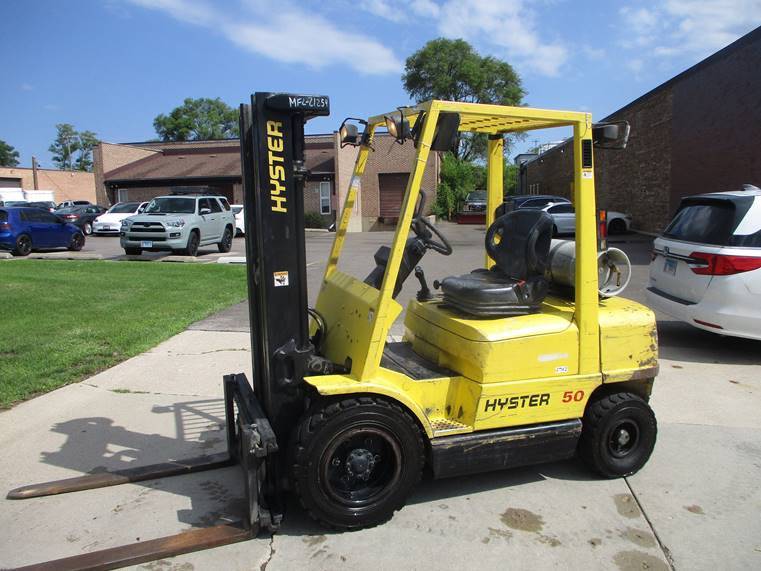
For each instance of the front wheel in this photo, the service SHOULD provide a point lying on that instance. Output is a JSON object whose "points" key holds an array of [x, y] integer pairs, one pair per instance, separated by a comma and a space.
{"points": [[77, 242], [87, 228], [618, 434], [226, 244], [355, 461], [192, 247]]}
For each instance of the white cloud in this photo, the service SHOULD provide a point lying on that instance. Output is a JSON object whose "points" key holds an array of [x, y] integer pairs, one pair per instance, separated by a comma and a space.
{"points": [[692, 28], [26, 87], [509, 25], [285, 33]]}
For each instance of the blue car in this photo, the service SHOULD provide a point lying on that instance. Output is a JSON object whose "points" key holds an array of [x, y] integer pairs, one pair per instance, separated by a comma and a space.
{"points": [[25, 229]]}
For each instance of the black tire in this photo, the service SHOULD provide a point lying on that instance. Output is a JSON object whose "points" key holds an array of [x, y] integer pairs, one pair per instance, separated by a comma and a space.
{"points": [[616, 226], [133, 251], [23, 245], [355, 461], [226, 244], [618, 434], [77, 242], [192, 248], [87, 228]]}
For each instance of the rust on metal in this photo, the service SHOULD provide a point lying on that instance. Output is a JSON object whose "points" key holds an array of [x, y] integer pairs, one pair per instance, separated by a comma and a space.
{"points": [[143, 551], [138, 474]]}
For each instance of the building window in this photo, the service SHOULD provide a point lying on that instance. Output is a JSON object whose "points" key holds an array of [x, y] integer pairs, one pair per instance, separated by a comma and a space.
{"points": [[325, 197], [122, 195]]}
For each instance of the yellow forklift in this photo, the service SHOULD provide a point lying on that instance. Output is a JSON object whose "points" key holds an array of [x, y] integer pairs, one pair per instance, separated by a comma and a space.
{"points": [[498, 368]]}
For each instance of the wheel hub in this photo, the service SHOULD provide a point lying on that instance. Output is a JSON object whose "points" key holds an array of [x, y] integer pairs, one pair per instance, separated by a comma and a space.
{"points": [[360, 463]]}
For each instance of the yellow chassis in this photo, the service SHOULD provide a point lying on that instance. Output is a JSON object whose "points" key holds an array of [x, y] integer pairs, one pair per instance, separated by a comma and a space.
{"points": [[508, 371]]}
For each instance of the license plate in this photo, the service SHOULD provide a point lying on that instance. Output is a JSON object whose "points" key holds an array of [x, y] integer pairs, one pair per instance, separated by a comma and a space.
{"points": [[669, 267], [146, 244]]}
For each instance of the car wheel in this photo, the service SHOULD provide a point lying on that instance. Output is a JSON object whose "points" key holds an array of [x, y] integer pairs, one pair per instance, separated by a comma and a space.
{"points": [[87, 228], [133, 251], [617, 435], [77, 242], [227, 241], [355, 461], [616, 226], [192, 247], [23, 245]]}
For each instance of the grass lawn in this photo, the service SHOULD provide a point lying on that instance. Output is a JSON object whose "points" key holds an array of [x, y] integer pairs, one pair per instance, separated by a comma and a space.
{"points": [[63, 321]]}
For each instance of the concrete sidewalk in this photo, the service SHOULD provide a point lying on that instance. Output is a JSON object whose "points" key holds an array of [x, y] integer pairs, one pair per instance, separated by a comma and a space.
{"points": [[695, 505]]}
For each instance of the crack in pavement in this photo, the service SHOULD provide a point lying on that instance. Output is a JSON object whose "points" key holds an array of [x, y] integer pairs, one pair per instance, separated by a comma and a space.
{"points": [[271, 548], [665, 550]]}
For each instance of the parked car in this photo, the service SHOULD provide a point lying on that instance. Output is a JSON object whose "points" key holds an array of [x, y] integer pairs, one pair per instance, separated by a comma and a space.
{"points": [[82, 216], [564, 219], [240, 219], [706, 266], [70, 203], [48, 205], [475, 201], [110, 222], [181, 224], [25, 229], [517, 201], [15, 203]]}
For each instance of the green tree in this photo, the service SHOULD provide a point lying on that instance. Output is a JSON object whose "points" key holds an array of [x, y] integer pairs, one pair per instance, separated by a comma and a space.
{"points": [[198, 119], [86, 142], [8, 155], [452, 70], [457, 177], [65, 145], [510, 178]]}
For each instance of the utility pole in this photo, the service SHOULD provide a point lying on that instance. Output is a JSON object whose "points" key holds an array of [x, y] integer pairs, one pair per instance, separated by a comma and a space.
{"points": [[34, 172]]}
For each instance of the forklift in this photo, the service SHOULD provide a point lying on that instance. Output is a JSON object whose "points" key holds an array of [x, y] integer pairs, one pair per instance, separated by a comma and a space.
{"points": [[498, 368]]}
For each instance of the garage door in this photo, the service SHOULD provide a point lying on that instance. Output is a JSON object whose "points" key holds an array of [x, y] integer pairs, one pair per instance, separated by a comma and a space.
{"points": [[392, 187]]}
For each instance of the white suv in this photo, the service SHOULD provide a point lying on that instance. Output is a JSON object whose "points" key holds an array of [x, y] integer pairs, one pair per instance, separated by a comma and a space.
{"points": [[180, 223], [706, 266]]}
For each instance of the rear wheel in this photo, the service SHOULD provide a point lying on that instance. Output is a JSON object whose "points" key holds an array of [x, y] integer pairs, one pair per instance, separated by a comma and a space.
{"points": [[133, 251], [616, 226], [192, 247], [77, 242], [23, 245], [618, 434], [87, 228], [226, 244], [355, 461]]}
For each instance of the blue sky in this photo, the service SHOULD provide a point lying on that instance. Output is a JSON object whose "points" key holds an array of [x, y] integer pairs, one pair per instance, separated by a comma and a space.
{"points": [[111, 66]]}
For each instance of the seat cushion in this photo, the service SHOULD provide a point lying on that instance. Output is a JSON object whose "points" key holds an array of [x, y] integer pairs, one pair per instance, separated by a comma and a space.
{"points": [[492, 293]]}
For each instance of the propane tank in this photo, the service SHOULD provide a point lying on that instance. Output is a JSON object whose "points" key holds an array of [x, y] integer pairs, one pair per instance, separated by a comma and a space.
{"points": [[614, 270]]}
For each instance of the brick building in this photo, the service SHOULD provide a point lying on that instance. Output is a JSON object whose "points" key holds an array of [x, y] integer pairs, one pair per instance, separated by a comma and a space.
{"points": [[697, 132], [66, 185], [139, 171]]}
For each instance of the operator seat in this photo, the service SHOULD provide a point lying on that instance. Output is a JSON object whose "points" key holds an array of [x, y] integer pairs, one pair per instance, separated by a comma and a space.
{"points": [[519, 243]]}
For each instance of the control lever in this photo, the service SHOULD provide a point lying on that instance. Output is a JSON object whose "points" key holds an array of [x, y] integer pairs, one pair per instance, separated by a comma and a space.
{"points": [[424, 294]]}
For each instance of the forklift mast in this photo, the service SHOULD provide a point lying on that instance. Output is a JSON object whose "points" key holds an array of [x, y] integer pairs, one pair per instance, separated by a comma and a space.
{"points": [[274, 174]]}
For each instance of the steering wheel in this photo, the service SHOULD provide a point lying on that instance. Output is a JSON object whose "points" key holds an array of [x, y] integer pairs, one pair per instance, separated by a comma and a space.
{"points": [[424, 230]]}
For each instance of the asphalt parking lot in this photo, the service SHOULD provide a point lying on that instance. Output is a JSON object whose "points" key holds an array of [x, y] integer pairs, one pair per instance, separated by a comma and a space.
{"points": [[695, 505]]}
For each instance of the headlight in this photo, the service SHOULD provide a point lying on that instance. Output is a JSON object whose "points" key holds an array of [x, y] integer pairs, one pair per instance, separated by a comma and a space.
{"points": [[126, 223], [179, 223]]}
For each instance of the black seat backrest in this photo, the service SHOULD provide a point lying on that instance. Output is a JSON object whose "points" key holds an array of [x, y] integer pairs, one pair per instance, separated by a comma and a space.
{"points": [[519, 242]]}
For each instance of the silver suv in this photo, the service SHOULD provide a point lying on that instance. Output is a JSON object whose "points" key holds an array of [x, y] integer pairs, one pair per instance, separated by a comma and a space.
{"points": [[180, 223]]}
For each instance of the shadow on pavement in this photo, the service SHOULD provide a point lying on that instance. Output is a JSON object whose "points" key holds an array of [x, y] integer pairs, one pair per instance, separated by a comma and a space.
{"points": [[95, 444], [681, 342]]}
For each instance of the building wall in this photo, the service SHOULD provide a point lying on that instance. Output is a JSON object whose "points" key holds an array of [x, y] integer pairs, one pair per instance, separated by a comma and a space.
{"points": [[66, 185], [699, 132], [344, 162], [390, 157], [107, 157], [716, 125], [312, 199]]}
